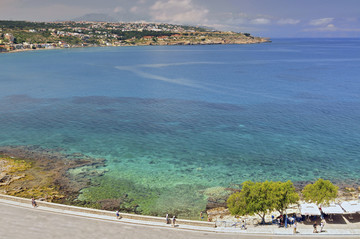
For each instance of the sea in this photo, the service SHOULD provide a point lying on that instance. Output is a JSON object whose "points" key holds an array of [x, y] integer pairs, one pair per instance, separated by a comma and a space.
{"points": [[178, 125]]}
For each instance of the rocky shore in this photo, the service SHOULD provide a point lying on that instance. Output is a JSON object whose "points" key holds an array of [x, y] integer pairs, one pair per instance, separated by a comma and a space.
{"points": [[199, 38], [31, 171], [217, 38], [56, 176]]}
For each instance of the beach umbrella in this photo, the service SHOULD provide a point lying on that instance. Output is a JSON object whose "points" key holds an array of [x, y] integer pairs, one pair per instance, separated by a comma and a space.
{"points": [[332, 209], [351, 206], [309, 209]]}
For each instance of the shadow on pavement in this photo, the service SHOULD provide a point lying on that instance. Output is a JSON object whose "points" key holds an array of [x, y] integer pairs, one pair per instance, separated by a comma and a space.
{"points": [[336, 219], [353, 218]]}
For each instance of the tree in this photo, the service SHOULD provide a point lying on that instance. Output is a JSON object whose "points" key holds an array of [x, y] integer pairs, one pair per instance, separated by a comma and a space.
{"points": [[254, 198], [261, 198], [283, 194], [320, 192]]}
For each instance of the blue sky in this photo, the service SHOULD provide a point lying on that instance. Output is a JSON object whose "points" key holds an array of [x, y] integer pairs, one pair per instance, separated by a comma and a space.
{"points": [[270, 18]]}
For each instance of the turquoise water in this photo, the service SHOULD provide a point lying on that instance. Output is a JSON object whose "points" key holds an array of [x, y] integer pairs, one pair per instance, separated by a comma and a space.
{"points": [[176, 124]]}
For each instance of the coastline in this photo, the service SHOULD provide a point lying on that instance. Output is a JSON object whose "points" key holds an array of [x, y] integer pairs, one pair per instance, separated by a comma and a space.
{"points": [[31, 171], [255, 40], [46, 49]]}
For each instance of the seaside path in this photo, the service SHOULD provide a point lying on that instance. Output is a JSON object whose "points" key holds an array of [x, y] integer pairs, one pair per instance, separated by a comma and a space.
{"points": [[20, 220]]}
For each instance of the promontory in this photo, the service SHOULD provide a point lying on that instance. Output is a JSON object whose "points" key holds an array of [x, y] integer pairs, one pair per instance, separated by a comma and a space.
{"points": [[24, 35]]}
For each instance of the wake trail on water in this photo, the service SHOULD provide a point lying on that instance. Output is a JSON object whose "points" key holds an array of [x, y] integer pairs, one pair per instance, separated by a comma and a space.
{"points": [[185, 82]]}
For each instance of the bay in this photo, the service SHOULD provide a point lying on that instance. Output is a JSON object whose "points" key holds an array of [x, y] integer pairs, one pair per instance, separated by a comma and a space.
{"points": [[178, 124]]}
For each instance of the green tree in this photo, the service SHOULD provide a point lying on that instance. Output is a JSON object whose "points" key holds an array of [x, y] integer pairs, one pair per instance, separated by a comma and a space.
{"points": [[254, 198], [283, 194], [320, 192]]}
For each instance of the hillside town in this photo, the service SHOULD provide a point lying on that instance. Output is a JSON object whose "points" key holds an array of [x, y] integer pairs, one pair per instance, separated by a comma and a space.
{"points": [[23, 35]]}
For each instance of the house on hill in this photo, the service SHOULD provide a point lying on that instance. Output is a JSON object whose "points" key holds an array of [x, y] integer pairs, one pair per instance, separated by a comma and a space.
{"points": [[147, 38], [3, 48], [161, 38]]}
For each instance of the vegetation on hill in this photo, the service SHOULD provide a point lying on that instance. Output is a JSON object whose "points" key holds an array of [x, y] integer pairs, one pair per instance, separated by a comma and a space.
{"points": [[18, 35]]}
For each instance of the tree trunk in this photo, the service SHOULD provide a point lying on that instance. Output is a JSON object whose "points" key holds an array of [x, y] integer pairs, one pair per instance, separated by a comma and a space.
{"points": [[262, 218]]}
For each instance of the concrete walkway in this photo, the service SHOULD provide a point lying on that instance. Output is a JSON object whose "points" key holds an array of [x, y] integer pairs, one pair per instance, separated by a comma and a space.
{"points": [[21, 220]]}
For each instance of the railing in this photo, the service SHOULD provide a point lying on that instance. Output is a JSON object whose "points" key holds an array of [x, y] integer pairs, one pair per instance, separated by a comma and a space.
{"points": [[103, 212], [241, 225]]}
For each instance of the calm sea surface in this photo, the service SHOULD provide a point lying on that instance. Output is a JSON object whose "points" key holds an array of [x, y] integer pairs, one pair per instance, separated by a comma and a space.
{"points": [[176, 124]]}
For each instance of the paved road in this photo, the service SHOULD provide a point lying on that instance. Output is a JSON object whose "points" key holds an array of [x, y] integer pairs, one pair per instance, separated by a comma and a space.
{"points": [[32, 223]]}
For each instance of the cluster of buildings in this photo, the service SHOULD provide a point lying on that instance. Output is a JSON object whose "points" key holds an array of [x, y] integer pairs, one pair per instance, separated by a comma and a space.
{"points": [[32, 35], [85, 34], [7, 44], [135, 26]]}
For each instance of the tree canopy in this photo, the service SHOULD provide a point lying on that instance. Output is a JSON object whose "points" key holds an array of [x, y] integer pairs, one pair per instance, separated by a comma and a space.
{"points": [[262, 197], [320, 192], [283, 194]]}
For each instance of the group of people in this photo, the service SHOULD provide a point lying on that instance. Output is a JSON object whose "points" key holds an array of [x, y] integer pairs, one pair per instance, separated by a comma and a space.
{"points": [[168, 221], [282, 219], [173, 220], [292, 221], [322, 224]]}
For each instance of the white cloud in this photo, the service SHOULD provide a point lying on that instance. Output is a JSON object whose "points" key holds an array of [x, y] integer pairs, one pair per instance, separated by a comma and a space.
{"points": [[321, 21], [260, 21], [134, 9], [181, 11], [331, 27], [327, 28], [288, 21], [43, 13], [118, 9]]}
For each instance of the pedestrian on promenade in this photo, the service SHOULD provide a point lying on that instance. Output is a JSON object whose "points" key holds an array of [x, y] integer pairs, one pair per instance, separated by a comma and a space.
{"points": [[295, 227], [322, 224], [173, 221], [292, 220], [33, 202], [167, 218], [315, 229], [243, 225], [201, 216], [117, 214]]}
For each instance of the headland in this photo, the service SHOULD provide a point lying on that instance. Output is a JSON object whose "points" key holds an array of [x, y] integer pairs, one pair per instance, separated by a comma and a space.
{"points": [[21, 36]]}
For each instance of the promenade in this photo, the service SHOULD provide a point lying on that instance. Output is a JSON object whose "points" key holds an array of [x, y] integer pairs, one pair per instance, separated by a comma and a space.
{"points": [[20, 220]]}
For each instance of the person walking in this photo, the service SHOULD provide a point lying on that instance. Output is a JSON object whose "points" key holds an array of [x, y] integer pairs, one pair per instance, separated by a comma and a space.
{"points": [[243, 225], [315, 229], [117, 214], [167, 218], [201, 216], [33, 202], [173, 221], [322, 224], [295, 227]]}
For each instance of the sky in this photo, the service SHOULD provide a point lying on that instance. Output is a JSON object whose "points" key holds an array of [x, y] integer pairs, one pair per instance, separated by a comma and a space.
{"points": [[267, 18]]}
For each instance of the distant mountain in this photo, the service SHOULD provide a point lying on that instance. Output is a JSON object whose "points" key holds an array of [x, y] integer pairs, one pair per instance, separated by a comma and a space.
{"points": [[96, 17]]}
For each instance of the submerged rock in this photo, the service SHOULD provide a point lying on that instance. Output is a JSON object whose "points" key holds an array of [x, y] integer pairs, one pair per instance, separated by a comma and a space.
{"points": [[217, 197], [46, 173]]}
